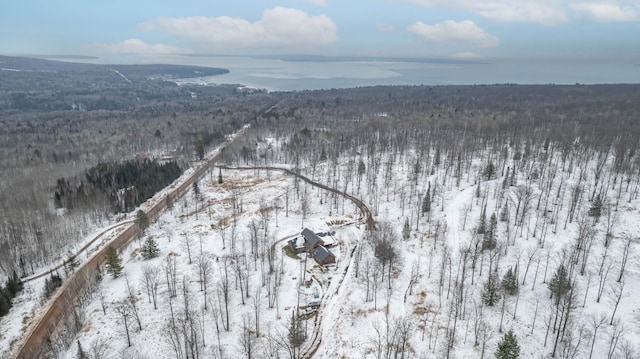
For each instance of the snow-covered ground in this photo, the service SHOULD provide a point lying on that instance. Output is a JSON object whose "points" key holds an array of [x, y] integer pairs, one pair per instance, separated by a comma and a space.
{"points": [[184, 229], [364, 312]]}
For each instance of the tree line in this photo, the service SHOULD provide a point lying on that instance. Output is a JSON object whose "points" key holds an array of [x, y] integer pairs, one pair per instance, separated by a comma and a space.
{"points": [[126, 184]]}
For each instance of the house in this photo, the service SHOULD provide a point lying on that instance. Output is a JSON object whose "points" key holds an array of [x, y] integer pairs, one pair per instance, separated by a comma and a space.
{"points": [[311, 240], [323, 256]]}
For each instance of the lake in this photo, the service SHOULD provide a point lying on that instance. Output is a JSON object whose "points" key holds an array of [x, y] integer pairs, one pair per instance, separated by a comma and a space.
{"points": [[323, 73]]}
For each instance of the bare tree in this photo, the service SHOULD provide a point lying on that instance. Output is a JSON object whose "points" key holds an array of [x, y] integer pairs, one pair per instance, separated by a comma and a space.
{"points": [[150, 283], [171, 275], [616, 295], [304, 206], [132, 299], [100, 348], [596, 323], [603, 281], [224, 293], [124, 309], [204, 274], [247, 340], [625, 257], [256, 310], [187, 242], [612, 220], [614, 338]]}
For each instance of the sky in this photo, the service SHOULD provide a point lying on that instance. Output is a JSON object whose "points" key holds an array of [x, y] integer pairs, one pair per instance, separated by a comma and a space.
{"points": [[605, 30]]}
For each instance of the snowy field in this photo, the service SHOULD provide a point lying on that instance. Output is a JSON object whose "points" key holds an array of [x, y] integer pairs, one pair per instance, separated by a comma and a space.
{"points": [[200, 232], [237, 293]]}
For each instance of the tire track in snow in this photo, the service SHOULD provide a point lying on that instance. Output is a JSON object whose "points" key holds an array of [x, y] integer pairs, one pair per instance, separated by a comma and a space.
{"points": [[367, 218]]}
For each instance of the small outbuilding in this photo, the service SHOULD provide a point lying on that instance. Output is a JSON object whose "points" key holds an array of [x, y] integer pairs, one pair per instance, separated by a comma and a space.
{"points": [[297, 245], [323, 256]]}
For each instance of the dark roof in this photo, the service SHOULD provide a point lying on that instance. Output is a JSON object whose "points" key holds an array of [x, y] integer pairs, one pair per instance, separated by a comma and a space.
{"points": [[310, 237], [321, 253]]}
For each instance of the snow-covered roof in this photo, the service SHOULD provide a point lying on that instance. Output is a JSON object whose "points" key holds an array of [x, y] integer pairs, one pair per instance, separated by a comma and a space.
{"points": [[328, 240]]}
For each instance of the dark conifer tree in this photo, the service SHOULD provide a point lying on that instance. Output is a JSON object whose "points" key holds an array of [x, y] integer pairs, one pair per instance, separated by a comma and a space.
{"points": [[406, 230], [490, 292], [596, 208], [509, 282], [489, 238], [114, 263], [508, 347], [489, 170], [426, 203], [150, 248], [560, 284]]}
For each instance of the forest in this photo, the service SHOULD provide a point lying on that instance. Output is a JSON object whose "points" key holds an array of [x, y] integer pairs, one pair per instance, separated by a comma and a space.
{"points": [[65, 135], [124, 185], [506, 217]]}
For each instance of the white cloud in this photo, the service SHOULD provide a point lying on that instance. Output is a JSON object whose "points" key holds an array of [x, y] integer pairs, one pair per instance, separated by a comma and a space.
{"points": [[317, 2], [606, 12], [385, 27], [467, 56], [138, 47], [545, 12], [278, 27], [464, 33]]}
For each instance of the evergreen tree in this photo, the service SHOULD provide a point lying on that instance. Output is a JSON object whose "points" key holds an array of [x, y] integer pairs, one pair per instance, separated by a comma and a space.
{"points": [[169, 202], [114, 263], [505, 181], [323, 155], [489, 239], [14, 284], [5, 301], [510, 283], [70, 264], [512, 180], [482, 222], [296, 335], [546, 144], [406, 230], [142, 220], [489, 170], [220, 175], [199, 149], [150, 249], [490, 292], [508, 347], [196, 190], [560, 284], [50, 285], [426, 203], [504, 214], [596, 208]]}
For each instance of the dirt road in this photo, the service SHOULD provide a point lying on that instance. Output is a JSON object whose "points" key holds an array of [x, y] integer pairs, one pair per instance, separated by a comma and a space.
{"points": [[48, 321], [84, 248]]}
